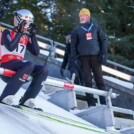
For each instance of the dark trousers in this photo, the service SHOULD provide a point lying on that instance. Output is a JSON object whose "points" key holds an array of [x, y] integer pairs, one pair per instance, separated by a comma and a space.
{"points": [[89, 65], [23, 70]]}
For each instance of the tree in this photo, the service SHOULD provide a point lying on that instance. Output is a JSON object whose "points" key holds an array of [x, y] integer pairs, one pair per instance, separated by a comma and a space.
{"points": [[55, 18]]}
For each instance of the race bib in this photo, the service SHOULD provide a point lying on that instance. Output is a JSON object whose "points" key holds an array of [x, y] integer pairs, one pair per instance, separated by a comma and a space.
{"points": [[88, 36]]}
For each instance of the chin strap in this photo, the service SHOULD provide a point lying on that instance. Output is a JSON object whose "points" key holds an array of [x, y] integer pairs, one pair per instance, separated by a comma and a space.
{"points": [[5, 5]]}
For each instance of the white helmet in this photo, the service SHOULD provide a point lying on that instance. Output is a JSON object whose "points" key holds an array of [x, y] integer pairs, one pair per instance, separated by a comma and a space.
{"points": [[21, 15]]}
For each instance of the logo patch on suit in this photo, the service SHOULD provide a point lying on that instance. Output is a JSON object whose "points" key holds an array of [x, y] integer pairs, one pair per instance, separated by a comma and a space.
{"points": [[25, 76]]}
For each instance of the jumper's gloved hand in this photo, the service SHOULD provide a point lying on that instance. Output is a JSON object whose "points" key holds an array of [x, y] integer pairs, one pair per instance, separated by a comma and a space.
{"points": [[32, 29], [103, 58], [21, 27]]}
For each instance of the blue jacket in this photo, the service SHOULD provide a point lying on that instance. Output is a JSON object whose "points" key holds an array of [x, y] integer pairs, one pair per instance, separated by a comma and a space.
{"points": [[94, 44]]}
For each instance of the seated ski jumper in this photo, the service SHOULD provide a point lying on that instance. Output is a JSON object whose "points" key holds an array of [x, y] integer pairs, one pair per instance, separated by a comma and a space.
{"points": [[13, 47]]}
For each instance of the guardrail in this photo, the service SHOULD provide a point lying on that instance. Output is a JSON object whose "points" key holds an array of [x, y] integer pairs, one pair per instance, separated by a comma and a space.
{"points": [[117, 73], [69, 86], [61, 84], [120, 66]]}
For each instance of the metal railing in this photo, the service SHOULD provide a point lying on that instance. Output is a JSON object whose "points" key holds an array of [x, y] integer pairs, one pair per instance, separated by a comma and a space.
{"points": [[120, 66], [118, 74]]}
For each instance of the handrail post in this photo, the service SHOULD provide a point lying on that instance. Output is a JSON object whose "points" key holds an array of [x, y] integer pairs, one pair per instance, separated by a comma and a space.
{"points": [[73, 78], [109, 118], [52, 52], [108, 99]]}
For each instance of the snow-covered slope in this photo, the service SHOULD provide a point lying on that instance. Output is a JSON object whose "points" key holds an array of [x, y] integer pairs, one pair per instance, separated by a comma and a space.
{"points": [[15, 121], [55, 120]]}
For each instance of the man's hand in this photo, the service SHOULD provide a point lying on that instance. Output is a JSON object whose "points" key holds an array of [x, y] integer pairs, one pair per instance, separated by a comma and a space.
{"points": [[33, 29], [103, 58]]}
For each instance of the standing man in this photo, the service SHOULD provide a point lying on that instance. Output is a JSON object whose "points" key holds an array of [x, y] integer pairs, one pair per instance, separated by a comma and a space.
{"points": [[13, 47], [89, 46]]}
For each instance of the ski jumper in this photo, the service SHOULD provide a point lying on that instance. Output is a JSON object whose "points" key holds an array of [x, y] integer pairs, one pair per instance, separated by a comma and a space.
{"points": [[13, 48]]}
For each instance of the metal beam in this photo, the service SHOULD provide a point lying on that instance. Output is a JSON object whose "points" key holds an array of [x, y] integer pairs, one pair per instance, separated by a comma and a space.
{"points": [[118, 73]]}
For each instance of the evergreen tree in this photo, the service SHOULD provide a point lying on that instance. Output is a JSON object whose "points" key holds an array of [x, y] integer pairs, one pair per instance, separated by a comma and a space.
{"points": [[55, 18]]}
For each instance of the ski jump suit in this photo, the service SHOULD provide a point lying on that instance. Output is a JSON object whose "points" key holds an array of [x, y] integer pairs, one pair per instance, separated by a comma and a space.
{"points": [[13, 48]]}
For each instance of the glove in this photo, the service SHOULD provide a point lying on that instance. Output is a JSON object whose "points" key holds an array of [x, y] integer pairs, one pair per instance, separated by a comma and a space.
{"points": [[32, 29], [62, 71], [103, 58], [21, 26]]}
